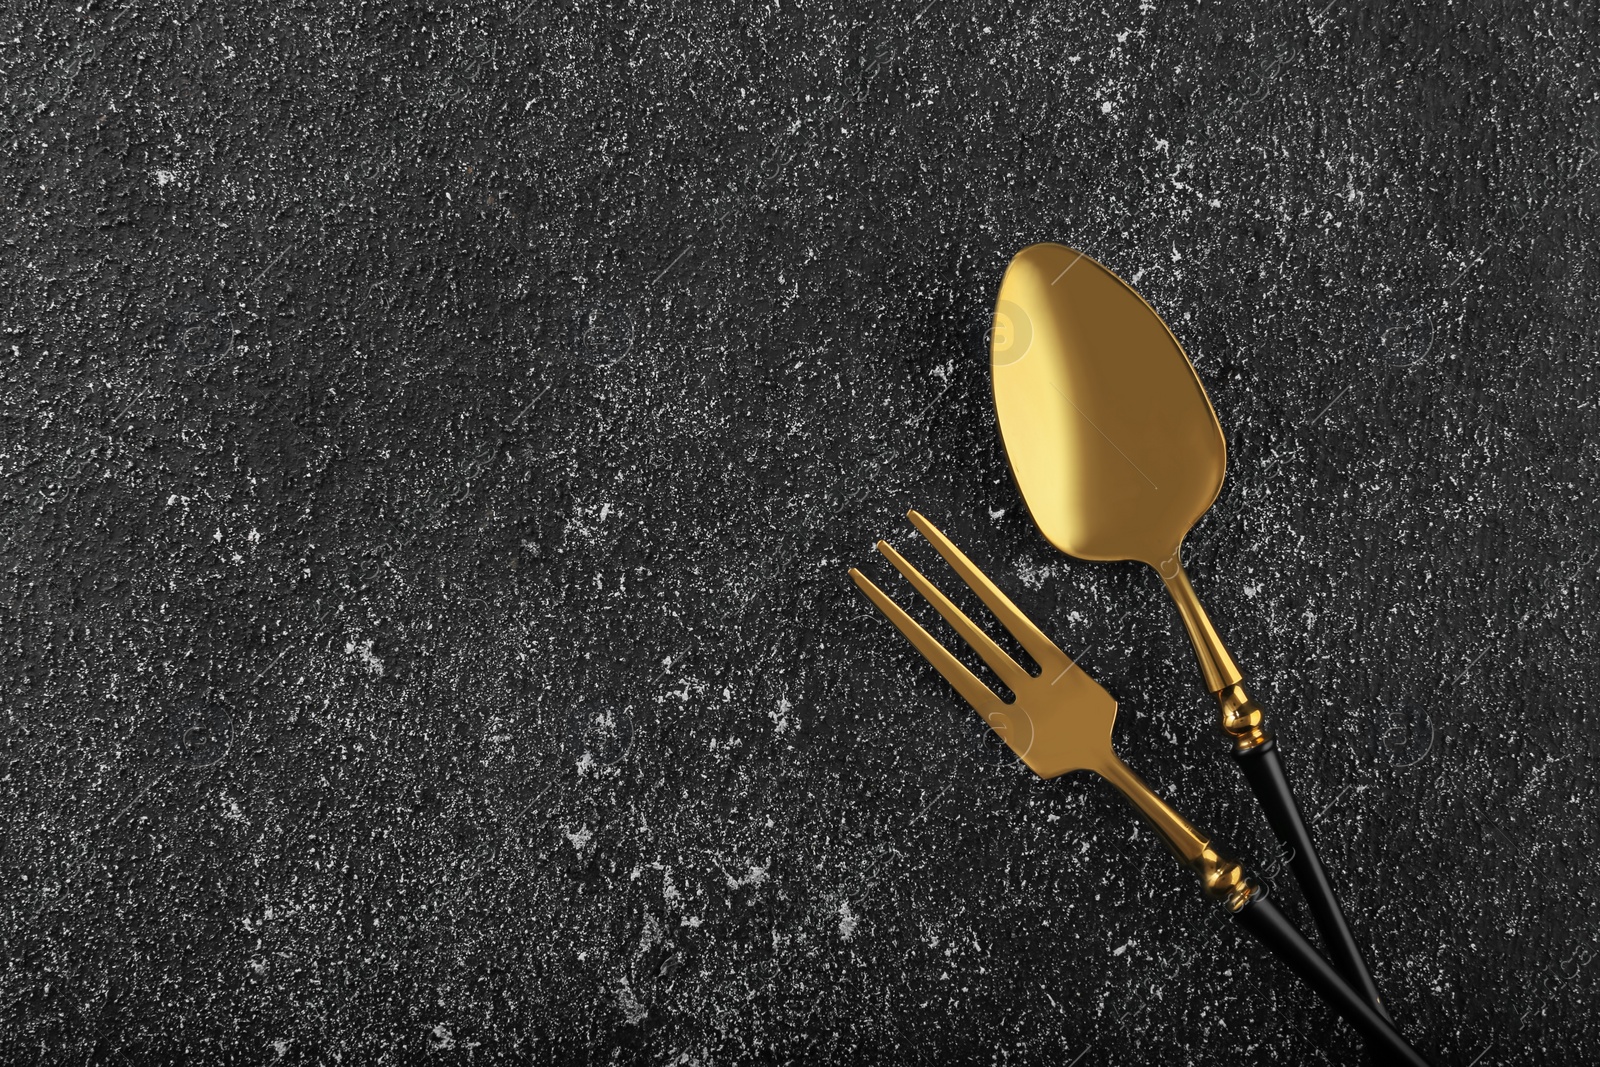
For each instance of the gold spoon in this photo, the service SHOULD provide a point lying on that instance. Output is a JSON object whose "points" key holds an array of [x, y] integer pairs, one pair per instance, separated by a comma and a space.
{"points": [[1117, 452]]}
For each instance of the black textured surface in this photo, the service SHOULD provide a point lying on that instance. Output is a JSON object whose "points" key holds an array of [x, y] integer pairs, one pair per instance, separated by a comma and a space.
{"points": [[434, 440]]}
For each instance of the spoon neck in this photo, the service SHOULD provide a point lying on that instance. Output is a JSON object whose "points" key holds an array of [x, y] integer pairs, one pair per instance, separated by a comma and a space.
{"points": [[1216, 663]]}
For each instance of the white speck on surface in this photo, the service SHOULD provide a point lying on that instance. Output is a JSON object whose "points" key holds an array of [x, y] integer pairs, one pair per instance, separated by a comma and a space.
{"points": [[441, 1040], [650, 936], [1034, 575], [632, 1010], [362, 651], [755, 875], [781, 723]]}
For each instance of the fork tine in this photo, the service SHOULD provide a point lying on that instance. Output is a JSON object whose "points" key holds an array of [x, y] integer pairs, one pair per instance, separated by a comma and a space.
{"points": [[1044, 651], [1010, 671], [980, 696]]}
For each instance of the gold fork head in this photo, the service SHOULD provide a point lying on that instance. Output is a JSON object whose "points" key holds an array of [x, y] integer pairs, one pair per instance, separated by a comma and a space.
{"points": [[1059, 720]]}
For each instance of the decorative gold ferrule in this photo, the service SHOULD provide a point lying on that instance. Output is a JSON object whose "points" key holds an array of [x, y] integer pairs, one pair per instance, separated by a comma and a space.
{"points": [[1223, 879], [1242, 718]]}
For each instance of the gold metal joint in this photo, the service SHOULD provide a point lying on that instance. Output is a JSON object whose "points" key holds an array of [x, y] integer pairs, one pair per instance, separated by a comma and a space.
{"points": [[1241, 895], [1223, 879], [1242, 718]]}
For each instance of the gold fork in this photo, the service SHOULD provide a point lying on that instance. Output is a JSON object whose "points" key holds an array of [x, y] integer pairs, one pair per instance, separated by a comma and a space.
{"points": [[1060, 720]]}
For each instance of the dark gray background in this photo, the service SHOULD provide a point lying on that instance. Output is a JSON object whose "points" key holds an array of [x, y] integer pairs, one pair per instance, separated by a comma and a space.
{"points": [[434, 441]]}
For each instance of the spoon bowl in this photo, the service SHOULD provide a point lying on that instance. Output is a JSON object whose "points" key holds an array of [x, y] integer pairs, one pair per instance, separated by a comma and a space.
{"points": [[1111, 437]]}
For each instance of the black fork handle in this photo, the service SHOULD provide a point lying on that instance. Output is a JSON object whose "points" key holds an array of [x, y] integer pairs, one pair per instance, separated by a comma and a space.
{"points": [[1263, 769], [1268, 925]]}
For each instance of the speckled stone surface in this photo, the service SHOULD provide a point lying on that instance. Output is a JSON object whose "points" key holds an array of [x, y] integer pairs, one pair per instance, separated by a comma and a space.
{"points": [[434, 440]]}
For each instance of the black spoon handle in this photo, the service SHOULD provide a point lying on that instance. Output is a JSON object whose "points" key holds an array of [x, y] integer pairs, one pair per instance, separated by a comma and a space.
{"points": [[1269, 926], [1245, 724], [1264, 771]]}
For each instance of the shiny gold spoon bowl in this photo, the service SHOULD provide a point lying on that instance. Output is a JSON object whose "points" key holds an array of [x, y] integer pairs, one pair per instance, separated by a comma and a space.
{"points": [[1111, 437], [1117, 452], [1101, 413]]}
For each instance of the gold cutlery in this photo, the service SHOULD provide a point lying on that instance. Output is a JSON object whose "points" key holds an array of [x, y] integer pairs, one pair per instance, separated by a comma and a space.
{"points": [[1060, 720], [1117, 452]]}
